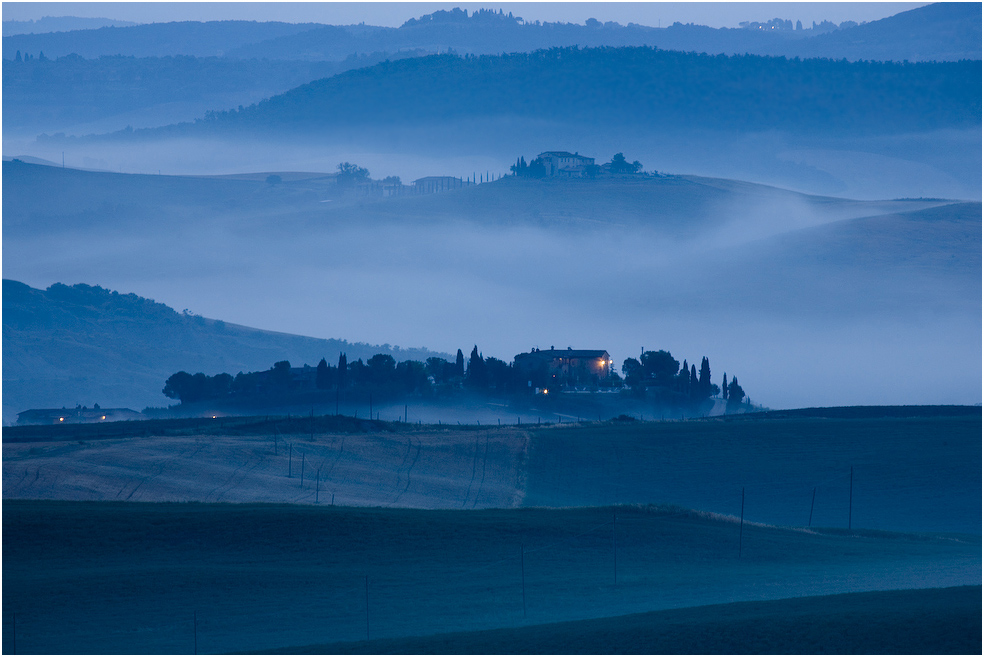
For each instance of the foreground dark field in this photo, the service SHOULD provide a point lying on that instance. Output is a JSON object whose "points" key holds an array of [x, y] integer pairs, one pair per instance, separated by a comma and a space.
{"points": [[926, 621], [132, 578]]}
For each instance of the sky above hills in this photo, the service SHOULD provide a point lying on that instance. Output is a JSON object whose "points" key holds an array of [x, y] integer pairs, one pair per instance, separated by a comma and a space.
{"points": [[713, 14]]}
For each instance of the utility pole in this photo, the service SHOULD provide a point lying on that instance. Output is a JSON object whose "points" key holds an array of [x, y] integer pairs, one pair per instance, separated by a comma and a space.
{"points": [[367, 607], [812, 502], [741, 526], [850, 499], [522, 567], [614, 550]]}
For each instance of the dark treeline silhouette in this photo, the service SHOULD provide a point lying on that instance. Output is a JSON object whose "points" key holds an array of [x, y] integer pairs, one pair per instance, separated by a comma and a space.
{"points": [[634, 86], [658, 375], [618, 165], [655, 376]]}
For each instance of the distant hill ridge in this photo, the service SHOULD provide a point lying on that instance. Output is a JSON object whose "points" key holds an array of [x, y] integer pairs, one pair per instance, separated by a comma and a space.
{"points": [[624, 86], [86, 344], [60, 24], [938, 32]]}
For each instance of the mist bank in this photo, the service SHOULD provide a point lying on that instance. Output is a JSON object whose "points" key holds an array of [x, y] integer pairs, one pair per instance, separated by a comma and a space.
{"points": [[933, 164], [79, 96], [813, 301]]}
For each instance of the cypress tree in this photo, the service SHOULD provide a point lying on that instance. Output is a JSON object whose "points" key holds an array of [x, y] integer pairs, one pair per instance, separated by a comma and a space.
{"points": [[322, 379], [342, 368], [459, 364], [694, 382], [724, 386], [705, 378]]}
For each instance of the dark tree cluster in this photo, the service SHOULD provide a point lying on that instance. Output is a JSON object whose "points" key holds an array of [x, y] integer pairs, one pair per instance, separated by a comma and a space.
{"points": [[620, 165], [655, 373], [380, 375], [535, 169], [659, 372], [635, 86]]}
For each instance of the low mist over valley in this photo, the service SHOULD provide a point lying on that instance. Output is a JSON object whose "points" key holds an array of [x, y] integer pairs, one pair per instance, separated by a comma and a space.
{"points": [[792, 290]]}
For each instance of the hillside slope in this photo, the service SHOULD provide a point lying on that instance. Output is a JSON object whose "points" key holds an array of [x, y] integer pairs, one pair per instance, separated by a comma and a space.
{"points": [[135, 578], [924, 621], [632, 86], [83, 345]]}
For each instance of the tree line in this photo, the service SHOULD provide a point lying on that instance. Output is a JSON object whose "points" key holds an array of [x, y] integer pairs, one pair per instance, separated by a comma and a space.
{"points": [[656, 375], [673, 384], [640, 86]]}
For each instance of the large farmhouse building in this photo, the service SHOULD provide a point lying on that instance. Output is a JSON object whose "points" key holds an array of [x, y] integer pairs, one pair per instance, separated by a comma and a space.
{"points": [[562, 163], [569, 368]]}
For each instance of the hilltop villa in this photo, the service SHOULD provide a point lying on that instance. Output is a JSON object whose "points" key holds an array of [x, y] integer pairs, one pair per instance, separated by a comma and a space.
{"points": [[562, 163], [565, 367]]}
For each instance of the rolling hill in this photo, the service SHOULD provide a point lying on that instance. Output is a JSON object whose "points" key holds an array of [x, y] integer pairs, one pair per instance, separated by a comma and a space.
{"points": [[634, 86], [83, 345]]}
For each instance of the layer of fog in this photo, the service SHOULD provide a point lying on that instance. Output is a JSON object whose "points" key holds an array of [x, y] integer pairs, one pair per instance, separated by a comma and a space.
{"points": [[878, 337], [936, 164]]}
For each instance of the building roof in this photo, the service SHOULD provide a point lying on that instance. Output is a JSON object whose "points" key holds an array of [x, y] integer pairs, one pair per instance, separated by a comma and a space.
{"points": [[563, 154], [563, 353]]}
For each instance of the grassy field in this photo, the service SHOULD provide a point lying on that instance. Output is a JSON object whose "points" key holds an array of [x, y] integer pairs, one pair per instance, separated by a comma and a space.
{"points": [[133, 578], [919, 473], [464, 529], [909, 473], [927, 621]]}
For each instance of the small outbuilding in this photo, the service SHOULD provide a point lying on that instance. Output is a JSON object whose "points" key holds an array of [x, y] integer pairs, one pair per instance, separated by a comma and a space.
{"points": [[77, 415]]}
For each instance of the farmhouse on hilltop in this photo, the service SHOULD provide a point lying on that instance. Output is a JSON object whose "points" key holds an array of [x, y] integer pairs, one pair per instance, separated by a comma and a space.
{"points": [[562, 163], [571, 368]]}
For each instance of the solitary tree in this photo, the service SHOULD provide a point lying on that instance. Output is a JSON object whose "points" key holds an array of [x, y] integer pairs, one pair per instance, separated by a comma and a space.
{"points": [[342, 369], [459, 364], [660, 366], [735, 393], [620, 165], [323, 376], [724, 386], [632, 370], [351, 174], [704, 379], [477, 376]]}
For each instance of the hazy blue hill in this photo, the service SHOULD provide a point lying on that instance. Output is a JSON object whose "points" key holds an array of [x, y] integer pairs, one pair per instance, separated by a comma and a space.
{"points": [[939, 32], [487, 33], [633, 86], [945, 31], [908, 264], [59, 24], [54, 94], [48, 199], [84, 344], [200, 39]]}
